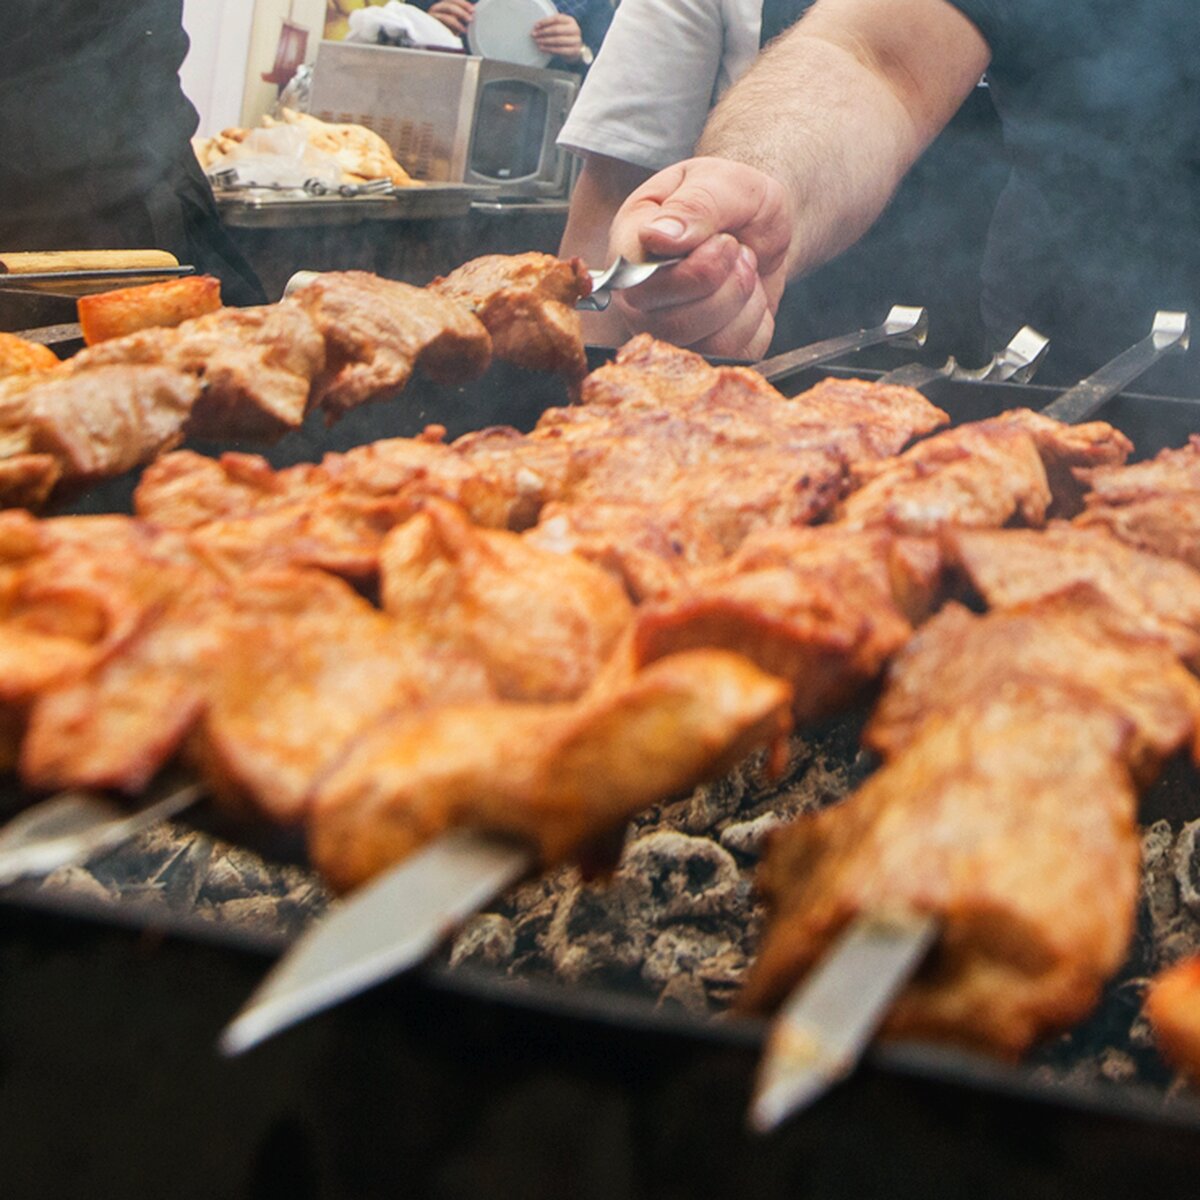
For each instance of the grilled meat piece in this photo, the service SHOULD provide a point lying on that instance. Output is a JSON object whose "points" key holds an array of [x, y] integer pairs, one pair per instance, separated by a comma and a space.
{"points": [[1072, 639], [649, 551], [95, 423], [26, 480], [557, 775], [1016, 467], [377, 331], [1013, 823], [541, 623], [527, 302], [256, 364], [979, 475], [1011, 568], [1173, 1010], [307, 667], [1069, 450], [717, 448], [1152, 505], [71, 590], [823, 608]]}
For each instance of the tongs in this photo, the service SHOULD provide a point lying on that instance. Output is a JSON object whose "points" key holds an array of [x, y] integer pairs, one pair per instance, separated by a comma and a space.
{"points": [[228, 180]]}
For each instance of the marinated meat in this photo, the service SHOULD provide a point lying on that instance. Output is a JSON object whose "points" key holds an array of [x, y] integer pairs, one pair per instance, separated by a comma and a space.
{"points": [[1069, 450], [98, 422], [1013, 823], [26, 480], [650, 551], [541, 623], [308, 666], [1155, 595], [1152, 505], [982, 475], [377, 331], [1071, 640], [718, 449], [1173, 1010], [256, 364], [527, 302], [556, 775], [823, 608]]}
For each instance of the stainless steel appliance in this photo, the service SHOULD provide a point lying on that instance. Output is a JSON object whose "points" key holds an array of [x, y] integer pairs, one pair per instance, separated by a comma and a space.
{"points": [[452, 118]]}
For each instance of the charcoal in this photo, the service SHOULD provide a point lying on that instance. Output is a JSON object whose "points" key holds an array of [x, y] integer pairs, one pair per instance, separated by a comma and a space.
{"points": [[488, 940], [749, 838], [1187, 867], [79, 881], [669, 876]]}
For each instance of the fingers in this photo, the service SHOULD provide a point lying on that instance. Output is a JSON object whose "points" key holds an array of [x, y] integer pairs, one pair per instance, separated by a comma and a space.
{"points": [[677, 209], [558, 35], [731, 224], [714, 297], [454, 14]]}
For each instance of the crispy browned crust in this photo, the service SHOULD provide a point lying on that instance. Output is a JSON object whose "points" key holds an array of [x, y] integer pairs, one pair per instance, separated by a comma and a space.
{"points": [[527, 301], [555, 775]]}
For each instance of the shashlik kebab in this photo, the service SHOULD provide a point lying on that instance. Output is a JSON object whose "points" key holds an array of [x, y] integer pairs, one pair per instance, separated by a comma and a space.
{"points": [[756, 511], [308, 978], [1014, 745], [345, 339]]}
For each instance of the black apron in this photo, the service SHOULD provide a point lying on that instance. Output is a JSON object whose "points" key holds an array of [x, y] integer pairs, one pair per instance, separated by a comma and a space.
{"points": [[94, 137]]}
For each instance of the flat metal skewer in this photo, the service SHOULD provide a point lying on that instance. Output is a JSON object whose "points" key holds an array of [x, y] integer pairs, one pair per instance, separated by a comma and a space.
{"points": [[904, 326], [77, 825], [384, 928], [826, 1024]]}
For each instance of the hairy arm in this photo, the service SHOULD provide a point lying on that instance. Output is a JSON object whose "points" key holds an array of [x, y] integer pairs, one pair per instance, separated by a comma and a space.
{"points": [[796, 162], [854, 94]]}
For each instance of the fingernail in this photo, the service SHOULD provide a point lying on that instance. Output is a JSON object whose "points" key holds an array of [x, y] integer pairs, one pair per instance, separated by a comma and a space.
{"points": [[671, 227], [748, 259]]}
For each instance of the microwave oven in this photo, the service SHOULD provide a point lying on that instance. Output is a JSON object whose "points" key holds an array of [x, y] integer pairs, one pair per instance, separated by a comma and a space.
{"points": [[452, 118]]}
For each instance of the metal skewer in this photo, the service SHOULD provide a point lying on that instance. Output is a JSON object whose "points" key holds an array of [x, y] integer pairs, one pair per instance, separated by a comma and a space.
{"points": [[77, 825], [356, 945], [903, 326]]}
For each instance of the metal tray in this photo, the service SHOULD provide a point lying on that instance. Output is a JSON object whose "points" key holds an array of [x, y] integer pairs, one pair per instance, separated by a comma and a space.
{"points": [[213, 883], [285, 210]]}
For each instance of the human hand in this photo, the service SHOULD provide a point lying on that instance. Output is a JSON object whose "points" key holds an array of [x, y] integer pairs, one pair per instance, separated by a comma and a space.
{"points": [[558, 35], [454, 14], [732, 225]]}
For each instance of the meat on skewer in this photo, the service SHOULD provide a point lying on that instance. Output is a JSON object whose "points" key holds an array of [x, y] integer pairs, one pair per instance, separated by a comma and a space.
{"points": [[1005, 809], [1152, 505], [527, 303]]}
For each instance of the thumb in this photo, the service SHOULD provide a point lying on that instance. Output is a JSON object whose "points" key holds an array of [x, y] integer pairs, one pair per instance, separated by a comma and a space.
{"points": [[683, 206]]}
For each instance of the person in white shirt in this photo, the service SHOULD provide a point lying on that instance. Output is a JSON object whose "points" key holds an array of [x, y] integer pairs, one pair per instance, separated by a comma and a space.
{"points": [[663, 65]]}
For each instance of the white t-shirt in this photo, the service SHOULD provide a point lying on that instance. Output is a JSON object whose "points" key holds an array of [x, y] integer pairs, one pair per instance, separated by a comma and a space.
{"points": [[662, 66]]}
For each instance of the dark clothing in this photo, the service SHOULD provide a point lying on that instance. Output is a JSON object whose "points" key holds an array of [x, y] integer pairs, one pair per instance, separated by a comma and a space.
{"points": [[94, 137], [594, 18], [1099, 223]]}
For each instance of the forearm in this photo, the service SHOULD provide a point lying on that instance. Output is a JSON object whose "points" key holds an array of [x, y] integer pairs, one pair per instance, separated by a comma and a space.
{"points": [[839, 109], [599, 192]]}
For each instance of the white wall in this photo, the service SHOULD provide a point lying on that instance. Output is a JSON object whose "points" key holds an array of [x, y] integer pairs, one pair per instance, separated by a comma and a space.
{"points": [[214, 73]]}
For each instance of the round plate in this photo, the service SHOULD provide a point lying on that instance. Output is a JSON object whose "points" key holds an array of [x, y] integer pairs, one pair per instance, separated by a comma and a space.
{"points": [[500, 29]]}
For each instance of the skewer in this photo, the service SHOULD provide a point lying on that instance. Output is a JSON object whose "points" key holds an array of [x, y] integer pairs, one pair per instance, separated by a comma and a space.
{"points": [[76, 825], [357, 945], [826, 1024], [903, 326]]}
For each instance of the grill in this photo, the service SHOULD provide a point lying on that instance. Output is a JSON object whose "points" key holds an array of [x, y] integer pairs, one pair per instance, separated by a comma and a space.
{"points": [[643, 968]]}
